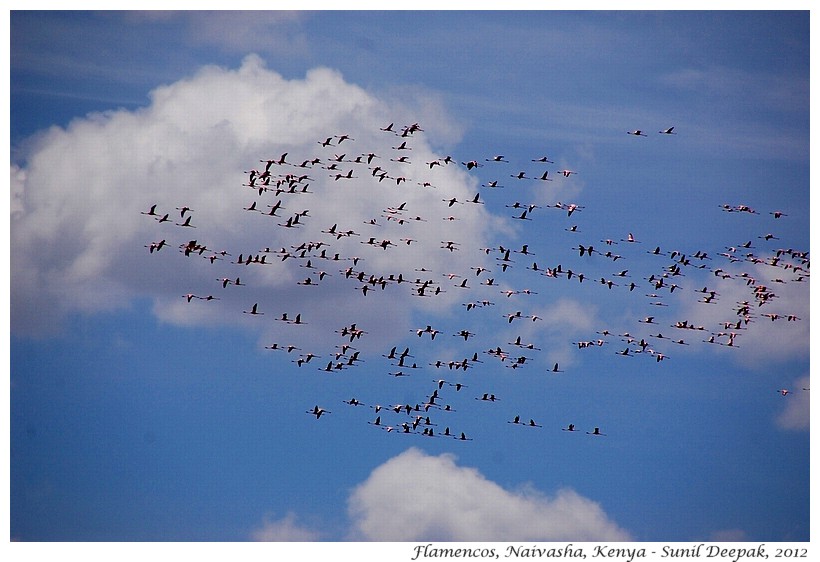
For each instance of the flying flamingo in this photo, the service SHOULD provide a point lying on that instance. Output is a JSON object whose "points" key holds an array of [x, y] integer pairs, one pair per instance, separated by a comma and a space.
{"points": [[253, 310], [317, 411]]}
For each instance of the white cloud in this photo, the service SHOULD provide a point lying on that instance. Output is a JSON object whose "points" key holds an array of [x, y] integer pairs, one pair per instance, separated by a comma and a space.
{"points": [[273, 31], [16, 183], [415, 496], [79, 242], [242, 31], [284, 530], [763, 340], [796, 411], [558, 327]]}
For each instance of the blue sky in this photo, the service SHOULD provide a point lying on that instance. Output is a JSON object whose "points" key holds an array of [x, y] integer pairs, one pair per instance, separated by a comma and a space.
{"points": [[138, 414]]}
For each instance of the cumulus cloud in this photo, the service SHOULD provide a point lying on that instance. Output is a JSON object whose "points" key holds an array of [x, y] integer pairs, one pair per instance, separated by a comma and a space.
{"points": [[796, 412], [285, 529], [17, 180], [444, 501], [555, 326], [237, 31], [80, 238], [275, 31], [765, 338]]}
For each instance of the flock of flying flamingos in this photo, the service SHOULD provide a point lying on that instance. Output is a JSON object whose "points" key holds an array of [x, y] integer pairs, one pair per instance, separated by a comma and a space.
{"points": [[277, 181]]}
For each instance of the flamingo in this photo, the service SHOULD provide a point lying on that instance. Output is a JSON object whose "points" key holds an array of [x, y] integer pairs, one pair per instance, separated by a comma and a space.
{"points": [[317, 411], [253, 310], [186, 223], [410, 129], [588, 250], [156, 246]]}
